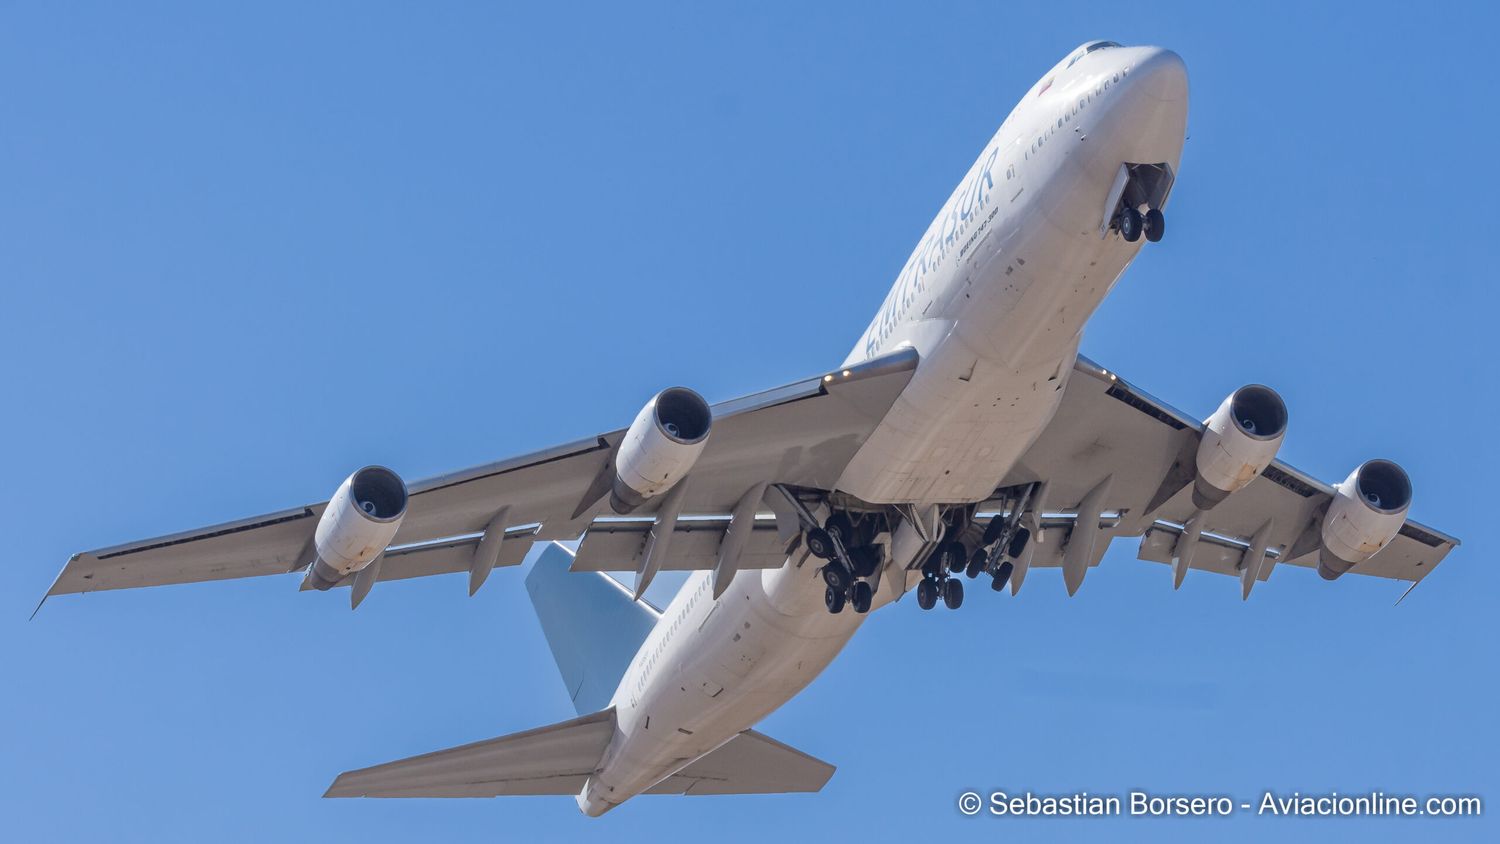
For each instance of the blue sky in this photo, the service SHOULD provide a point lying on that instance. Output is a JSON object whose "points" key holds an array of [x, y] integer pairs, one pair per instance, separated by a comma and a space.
{"points": [[244, 251]]}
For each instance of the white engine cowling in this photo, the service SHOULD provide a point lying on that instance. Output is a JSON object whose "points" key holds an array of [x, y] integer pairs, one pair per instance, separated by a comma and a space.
{"points": [[1367, 511], [660, 447], [1239, 441], [360, 522]]}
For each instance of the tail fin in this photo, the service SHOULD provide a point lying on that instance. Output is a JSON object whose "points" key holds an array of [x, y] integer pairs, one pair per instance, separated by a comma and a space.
{"points": [[592, 623]]}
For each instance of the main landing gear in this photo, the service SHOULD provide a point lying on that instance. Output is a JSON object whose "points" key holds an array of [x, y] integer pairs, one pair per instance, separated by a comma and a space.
{"points": [[1002, 542], [949, 559], [851, 558]]}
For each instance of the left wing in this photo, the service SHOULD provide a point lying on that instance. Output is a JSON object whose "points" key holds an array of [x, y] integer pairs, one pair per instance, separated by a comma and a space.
{"points": [[1109, 432], [801, 434]]}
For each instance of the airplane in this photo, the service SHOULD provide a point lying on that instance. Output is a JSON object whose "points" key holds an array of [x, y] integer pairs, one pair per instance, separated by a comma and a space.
{"points": [[963, 437]]}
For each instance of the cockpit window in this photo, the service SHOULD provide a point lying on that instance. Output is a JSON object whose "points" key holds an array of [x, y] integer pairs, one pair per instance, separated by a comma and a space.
{"points": [[1097, 45]]}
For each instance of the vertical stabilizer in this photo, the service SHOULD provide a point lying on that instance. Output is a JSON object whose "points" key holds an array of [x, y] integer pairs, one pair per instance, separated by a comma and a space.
{"points": [[592, 624]]}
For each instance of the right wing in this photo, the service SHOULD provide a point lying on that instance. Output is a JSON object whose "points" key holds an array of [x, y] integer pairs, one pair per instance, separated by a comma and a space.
{"points": [[802, 434], [1107, 428]]}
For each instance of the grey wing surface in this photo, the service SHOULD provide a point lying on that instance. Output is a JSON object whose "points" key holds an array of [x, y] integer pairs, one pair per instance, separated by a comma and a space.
{"points": [[1108, 428], [800, 434]]}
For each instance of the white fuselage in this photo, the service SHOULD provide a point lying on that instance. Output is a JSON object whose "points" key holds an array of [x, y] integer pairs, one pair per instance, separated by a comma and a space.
{"points": [[994, 298]]}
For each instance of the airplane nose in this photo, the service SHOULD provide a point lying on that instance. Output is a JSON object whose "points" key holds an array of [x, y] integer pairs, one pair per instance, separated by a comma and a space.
{"points": [[1161, 75]]}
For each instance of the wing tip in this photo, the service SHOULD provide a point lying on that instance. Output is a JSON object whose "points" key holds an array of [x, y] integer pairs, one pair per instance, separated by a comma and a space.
{"points": [[53, 590]]}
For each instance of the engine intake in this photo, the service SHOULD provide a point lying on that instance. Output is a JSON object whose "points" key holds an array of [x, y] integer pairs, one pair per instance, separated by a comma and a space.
{"points": [[660, 447], [1367, 511], [1240, 440], [361, 520]]}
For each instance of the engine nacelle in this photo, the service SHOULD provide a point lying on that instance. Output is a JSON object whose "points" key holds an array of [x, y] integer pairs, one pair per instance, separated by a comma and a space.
{"points": [[1239, 441], [1368, 510], [660, 447], [360, 522]]}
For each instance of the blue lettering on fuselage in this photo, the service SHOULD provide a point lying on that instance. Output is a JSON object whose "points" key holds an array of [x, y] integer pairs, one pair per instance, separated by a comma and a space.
{"points": [[937, 245]]}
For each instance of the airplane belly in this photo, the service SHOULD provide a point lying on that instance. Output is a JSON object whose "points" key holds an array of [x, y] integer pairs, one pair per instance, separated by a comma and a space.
{"points": [[983, 394], [745, 658]]}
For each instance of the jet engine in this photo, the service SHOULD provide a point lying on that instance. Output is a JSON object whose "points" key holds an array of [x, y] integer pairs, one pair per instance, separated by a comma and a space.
{"points": [[361, 520], [1368, 510], [1239, 441], [660, 447]]}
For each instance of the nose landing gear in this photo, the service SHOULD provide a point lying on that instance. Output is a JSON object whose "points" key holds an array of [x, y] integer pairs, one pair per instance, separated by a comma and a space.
{"points": [[1131, 224]]}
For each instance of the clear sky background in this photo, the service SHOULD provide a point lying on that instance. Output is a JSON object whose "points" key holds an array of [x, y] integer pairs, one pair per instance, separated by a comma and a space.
{"points": [[244, 251]]}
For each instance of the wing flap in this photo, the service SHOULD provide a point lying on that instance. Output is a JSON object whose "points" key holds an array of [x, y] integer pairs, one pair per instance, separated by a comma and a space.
{"points": [[617, 545]]}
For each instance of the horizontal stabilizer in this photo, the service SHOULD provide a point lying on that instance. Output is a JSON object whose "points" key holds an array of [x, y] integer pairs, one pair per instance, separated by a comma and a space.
{"points": [[749, 763], [559, 759], [548, 760]]}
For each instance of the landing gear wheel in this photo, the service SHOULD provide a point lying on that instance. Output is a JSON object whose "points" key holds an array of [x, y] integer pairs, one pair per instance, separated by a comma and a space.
{"points": [[835, 577], [820, 544], [976, 563], [1155, 225], [861, 596], [992, 531], [1002, 576], [840, 525], [1018, 543], [954, 557], [953, 593], [1130, 225], [927, 593], [833, 599]]}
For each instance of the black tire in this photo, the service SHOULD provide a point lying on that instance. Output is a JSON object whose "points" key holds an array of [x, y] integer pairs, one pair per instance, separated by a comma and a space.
{"points": [[819, 544], [992, 531], [1155, 225], [1018, 543], [835, 577], [1004, 572], [833, 599], [839, 524], [927, 593], [1002, 576], [955, 557], [953, 593], [977, 561], [861, 596], [1131, 225]]}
